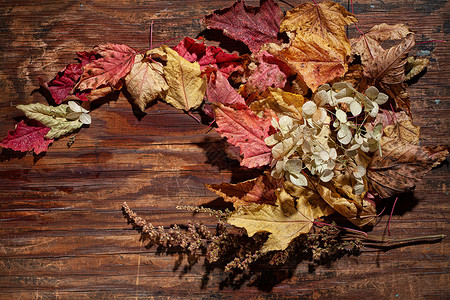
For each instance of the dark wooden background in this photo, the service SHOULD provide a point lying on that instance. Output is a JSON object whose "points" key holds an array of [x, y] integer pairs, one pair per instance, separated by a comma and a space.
{"points": [[62, 233]]}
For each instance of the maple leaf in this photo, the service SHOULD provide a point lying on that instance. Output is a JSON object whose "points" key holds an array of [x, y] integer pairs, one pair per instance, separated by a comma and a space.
{"points": [[115, 63], [146, 81], [244, 129], [318, 49], [368, 46], [399, 126], [56, 118], [187, 86], [210, 56], [27, 137], [270, 72], [284, 221], [319, 207], [257, 190], [87, 57], [62, 85], [253, 26], [282, 103], [338, 193], [221, 91], [389, 66], [402, 163]]}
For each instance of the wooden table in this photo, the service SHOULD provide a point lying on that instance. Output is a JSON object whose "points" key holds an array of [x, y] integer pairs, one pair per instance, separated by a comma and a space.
{"points": [[62, 231]]}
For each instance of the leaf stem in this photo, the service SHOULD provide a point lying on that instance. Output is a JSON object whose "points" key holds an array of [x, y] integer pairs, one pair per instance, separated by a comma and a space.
{"points": [[392, 243]]}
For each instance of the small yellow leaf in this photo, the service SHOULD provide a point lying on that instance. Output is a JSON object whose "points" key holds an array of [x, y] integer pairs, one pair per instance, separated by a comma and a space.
{"points": [[146, 82], [186, 85], [281, 102]]}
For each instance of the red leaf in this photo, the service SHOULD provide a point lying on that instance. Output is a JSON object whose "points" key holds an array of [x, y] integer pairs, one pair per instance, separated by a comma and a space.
{"points": [[26, 138], [192, 51], [87, 57], [271, 72], [254, 26], [221, 91], [244, 129], [115, 64], [63, 83]]}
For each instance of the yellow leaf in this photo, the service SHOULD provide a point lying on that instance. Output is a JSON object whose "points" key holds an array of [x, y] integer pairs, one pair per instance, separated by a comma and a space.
{"points": [[281, 102], [146, 82], [404, 131], [284, 222], [326, 20], [319, 48], [360, 212], [54, 117], [319, 207], [186, 85]]}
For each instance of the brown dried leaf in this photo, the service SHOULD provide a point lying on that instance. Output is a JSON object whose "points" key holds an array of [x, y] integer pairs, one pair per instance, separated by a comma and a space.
{"points": [[401, 165], [258, 190], [389, 66], [415, 66]]}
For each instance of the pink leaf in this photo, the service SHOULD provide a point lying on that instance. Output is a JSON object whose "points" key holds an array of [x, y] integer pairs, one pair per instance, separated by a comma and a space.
{"points": [[87, 57], [26, 138], [244, 129], [221, 91], [254, 26], [212, 56], [271, 72]]}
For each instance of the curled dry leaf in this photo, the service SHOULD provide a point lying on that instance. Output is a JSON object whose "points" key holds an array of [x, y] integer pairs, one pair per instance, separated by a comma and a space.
{"points": [[53, 117], [210, 56], [368, 46], [187, 86], [254, 26], [356, 209], [284, 221], [281, 102], [258, 190], [415, 66], [146, 81], [389, 66]]}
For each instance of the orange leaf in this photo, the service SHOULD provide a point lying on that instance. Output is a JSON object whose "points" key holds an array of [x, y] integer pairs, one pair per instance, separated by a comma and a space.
{"points": [[318, 49]]}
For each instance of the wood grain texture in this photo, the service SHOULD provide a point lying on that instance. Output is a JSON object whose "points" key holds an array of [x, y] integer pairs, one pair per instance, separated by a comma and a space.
{"points": [[62, 233]]}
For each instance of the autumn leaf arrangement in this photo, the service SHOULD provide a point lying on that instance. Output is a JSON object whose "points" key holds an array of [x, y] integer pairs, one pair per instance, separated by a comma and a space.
{"points": [[326, 121]]}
